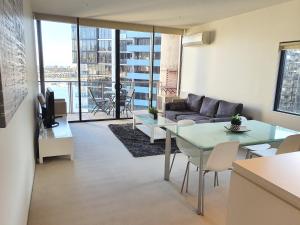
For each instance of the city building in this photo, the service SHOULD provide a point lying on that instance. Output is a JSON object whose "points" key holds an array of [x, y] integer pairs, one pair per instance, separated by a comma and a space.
{"points": [[97, 59]]}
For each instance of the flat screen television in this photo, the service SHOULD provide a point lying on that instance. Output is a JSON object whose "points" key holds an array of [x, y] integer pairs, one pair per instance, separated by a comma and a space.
{"points": [[49, 110]]}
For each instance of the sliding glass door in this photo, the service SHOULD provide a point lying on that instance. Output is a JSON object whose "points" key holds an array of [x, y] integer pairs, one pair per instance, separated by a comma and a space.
{"points": [[135, 71], [59, 69], [97, 74], [119, 70]]}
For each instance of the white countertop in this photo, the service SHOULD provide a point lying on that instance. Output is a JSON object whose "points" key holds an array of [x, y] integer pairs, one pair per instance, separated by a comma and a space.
{"points": [[278, 174]]}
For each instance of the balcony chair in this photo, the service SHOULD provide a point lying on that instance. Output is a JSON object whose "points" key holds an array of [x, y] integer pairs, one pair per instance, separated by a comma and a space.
{"points": [[100, 103], [220, 159], [128, 101], [290, 144]]}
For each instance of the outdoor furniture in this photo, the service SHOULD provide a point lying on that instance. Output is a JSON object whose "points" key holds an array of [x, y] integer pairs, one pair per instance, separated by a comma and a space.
{"points": [[208, 135], [150, 126], [128, 101], [100, 103], [290, 144]]}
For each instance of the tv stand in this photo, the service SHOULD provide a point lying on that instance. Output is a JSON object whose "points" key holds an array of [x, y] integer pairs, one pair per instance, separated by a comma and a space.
{"points": [[56, 141]]}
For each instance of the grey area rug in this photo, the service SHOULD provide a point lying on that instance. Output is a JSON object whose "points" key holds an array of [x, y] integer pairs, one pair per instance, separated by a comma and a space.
{"points": [[137, 143]]}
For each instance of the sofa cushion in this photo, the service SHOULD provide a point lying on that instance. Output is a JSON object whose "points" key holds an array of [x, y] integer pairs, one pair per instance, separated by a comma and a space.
{"points": [[172, 115], [209, 107], [195, 117], [227, 109], [194, 102]]}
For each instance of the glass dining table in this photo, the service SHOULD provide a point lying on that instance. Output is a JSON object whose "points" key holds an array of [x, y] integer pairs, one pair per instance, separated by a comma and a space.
{"points": [[206, 136]]}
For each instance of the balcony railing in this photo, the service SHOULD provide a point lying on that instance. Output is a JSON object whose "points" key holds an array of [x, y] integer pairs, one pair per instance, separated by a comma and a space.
{"points": [[69, 91]]}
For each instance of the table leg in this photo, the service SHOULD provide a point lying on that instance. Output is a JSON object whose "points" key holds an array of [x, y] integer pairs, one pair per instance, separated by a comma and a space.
{"points": [[167, 155], [200, 208], [152, 135]]}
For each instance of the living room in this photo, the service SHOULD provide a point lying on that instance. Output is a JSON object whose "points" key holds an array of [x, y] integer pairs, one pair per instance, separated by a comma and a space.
{"points": [[119, 172]]}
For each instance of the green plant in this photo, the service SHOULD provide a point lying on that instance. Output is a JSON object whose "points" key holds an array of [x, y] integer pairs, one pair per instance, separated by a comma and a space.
{"points": [[153, 110], [236, 120]]}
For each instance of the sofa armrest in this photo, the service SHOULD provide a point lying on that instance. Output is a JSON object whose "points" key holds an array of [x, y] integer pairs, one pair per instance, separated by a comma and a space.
{"points": [[220, 119]]}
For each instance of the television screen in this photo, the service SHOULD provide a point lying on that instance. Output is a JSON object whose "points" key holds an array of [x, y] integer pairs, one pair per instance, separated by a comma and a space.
{"points": [[49, 115]]}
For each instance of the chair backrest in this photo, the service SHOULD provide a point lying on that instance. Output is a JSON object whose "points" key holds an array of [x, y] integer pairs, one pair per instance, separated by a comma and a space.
{"points": [[184, 146], [130, 93], [290, 144], [222, 156], [91, 93]]}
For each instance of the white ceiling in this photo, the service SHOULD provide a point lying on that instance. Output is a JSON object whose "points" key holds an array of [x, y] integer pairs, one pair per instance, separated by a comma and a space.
{"points": [[173, 13]]}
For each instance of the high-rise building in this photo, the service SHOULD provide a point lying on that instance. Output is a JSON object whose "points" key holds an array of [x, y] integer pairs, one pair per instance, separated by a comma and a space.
{"points": [[97, 60]]}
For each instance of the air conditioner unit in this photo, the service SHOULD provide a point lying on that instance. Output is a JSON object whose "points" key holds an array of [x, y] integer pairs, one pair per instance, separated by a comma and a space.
{"points": [[196, 39]]}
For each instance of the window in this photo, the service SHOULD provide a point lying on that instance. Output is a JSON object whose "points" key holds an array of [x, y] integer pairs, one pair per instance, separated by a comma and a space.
{"points": [[288, 84]]}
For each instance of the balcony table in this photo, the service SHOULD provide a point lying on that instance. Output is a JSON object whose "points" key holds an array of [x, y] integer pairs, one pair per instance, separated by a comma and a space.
{"points": [[207, 135]]}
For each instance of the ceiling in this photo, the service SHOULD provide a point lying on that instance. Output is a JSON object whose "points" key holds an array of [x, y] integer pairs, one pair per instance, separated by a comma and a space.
{"points": [[172, 13]]}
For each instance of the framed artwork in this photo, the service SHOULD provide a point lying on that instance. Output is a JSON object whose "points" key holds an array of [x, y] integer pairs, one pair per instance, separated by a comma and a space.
{"points": [[13, 88]]}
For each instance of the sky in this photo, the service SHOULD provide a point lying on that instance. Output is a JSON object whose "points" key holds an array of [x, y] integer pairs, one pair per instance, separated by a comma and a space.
{"points": [[57, 43]]}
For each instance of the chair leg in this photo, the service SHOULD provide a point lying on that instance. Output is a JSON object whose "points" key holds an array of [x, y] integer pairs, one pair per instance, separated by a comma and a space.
{"points": [[185, 174], [216, 179], [202, 191], [173, 161], [93, 109]]}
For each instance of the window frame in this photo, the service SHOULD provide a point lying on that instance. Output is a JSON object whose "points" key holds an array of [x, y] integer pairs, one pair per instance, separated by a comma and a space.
{"points": [[279, 84]]}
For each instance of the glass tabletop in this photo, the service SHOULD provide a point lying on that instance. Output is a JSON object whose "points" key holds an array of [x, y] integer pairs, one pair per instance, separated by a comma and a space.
{"points": [[148, 119], [207, 135]]}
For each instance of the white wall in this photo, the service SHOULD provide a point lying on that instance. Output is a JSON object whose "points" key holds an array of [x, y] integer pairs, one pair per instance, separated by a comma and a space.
{"points": [[242, 62], [16, 144]]}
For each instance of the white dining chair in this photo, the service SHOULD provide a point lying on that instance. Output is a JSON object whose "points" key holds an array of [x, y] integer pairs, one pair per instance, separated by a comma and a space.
{"points": [[220, 159], [183, 146], [251, 148], [290, 144]]}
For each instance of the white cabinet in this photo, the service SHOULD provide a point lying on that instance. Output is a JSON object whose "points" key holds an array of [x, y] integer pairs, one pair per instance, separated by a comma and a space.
{"points": [[265, 191], [56, 141]]}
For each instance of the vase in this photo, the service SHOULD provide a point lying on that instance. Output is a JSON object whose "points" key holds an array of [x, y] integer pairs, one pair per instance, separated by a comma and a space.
{"points": [[235, 127], [155, 116]]}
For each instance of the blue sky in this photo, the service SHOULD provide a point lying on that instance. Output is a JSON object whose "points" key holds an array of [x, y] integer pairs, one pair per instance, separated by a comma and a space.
{"points": [[57, 43]]}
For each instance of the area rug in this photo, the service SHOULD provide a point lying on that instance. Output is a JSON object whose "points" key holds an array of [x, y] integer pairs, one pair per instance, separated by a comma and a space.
{"points": [[137, 143]]}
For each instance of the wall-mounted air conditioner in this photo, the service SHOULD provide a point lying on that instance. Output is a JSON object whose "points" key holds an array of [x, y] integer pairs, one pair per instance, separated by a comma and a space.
{"points": [[196, 39]]}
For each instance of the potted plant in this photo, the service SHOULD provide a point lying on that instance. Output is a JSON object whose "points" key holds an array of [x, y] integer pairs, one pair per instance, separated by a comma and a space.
{"points": [[154, 112], [236, 122]]}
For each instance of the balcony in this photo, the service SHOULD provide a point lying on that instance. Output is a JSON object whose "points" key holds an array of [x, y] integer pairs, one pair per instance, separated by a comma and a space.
{"points": [[68, 90]]}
